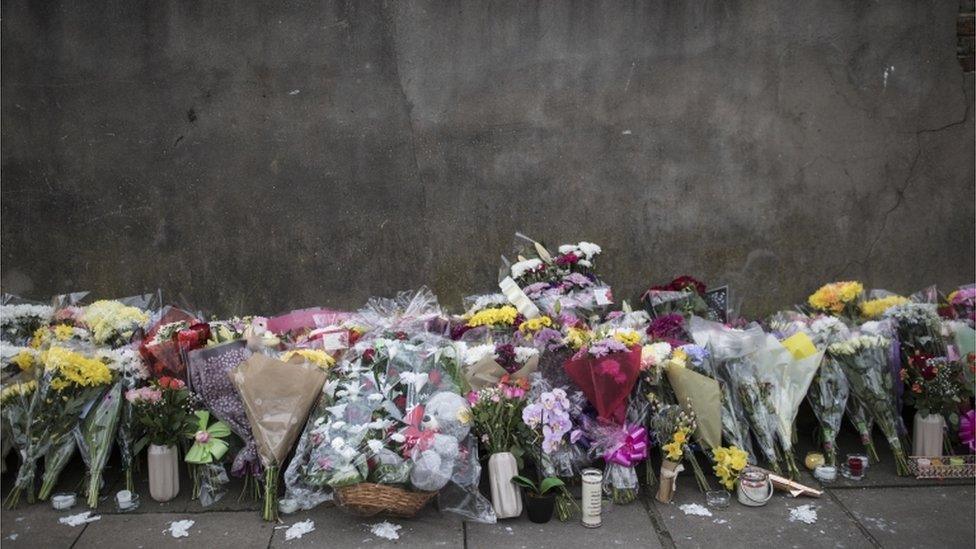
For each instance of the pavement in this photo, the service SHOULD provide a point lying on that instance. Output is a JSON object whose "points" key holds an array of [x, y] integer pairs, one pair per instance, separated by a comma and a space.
{"points": [[882, 510]]}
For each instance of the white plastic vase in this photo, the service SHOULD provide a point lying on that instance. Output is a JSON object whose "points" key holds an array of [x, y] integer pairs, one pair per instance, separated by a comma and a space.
{"points": [[164, 472], [927, 438], [505, 496]]}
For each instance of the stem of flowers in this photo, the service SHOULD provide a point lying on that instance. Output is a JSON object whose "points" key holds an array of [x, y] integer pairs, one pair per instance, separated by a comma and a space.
{"points": [[791, 466], [271, 493], [623, 496], [696, 468], [129, 483], [93, 486], [566, 506], [650, 479]]}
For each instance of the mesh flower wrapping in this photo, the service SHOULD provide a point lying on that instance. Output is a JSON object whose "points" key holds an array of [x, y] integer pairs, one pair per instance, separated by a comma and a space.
{"points": [[209, 374]]}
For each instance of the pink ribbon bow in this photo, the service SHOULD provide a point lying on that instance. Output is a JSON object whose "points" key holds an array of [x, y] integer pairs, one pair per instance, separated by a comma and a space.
{"points": [[632, 450]]}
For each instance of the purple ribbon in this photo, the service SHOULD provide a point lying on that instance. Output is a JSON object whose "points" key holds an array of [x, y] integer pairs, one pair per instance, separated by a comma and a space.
{"points": [[632, 450]]}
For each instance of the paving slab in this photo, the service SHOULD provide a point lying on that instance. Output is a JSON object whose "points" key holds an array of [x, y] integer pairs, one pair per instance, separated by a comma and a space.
{"points": [[150, 530], [915, 517], [767, 526], [337, 528], [623, 526], [37, 526]]}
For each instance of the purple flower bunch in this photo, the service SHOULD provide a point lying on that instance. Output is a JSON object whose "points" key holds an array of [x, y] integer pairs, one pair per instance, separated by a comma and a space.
{"points": [[696, 354], [550, 413], [575, 280], [604, 347]]}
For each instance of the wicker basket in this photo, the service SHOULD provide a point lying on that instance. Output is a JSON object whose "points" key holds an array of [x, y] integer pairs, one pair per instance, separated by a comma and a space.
{"points": [[368, 499], [939, 467]]}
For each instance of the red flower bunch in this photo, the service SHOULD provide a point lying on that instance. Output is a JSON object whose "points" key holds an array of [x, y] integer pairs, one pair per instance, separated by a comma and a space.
{"points": [[681, 284], [172, 383], [565, 260]]}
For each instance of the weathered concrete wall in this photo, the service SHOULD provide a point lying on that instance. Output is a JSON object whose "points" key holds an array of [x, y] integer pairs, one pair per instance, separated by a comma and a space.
{"points": [[254, 158]]}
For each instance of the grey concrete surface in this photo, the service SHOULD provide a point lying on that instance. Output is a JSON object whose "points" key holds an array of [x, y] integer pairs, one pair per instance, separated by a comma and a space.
{"points": [[916, 517], [257, 157], [922, 516]]}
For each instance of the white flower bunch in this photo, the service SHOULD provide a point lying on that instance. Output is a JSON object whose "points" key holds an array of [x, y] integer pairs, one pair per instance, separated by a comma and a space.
{"points": [[858, 343], [17, 314], [914, 313], [520, 268]]}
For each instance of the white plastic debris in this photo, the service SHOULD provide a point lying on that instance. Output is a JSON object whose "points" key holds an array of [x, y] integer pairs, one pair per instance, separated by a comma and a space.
{"points": [[13, 537], [180, 528], [299, 529], [79, 519], [695, 509], [804, 513], [386, 530]]}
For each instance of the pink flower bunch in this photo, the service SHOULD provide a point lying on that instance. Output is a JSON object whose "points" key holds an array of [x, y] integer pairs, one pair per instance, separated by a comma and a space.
{"points": [[149, 395]]}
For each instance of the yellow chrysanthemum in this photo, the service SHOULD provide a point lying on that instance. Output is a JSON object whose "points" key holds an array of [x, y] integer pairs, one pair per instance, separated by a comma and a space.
{"points": [[833, 297], [16, 390], [679, 358], [535, 324], [63, 332], [106, 318], [494, 316], [75, 368], [40, 336], [577, 337], [629, 338], [317, 357], [24, 360], [876, 307]]}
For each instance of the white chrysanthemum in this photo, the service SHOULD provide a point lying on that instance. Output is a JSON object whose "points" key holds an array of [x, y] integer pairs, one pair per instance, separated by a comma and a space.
{"points": [[589, 249], [474, 355], [519, 269], [525, 354], [568, 248]]}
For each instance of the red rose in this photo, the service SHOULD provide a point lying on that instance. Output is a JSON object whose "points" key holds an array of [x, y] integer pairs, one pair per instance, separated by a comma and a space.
{"points": [[368, 355], [929, 372]]}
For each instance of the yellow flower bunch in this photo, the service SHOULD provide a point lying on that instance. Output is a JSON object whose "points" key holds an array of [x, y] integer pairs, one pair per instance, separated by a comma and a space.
{"points": [[678, 358], [16, 390], [40, 337], [874, 308], [628, 337], [24, 360], [63, 332], [493, 316], [106, 318], [533, 325], [834, 297], [74, 369], [577, 337], [676, 448], [729, 462], [317, 357]]}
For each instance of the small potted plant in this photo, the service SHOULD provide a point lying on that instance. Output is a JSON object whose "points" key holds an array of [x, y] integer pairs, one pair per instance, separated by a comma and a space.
{"points": [[540, 500]]}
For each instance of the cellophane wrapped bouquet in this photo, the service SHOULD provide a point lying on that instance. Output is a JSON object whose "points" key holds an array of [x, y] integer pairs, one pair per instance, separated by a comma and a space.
{"points": [[549, 417], [865, 363], [558, 283], [392, 415], [44, 411]]}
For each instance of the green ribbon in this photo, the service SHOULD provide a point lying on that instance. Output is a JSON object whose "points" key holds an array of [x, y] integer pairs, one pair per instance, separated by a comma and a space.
{"points": [[213, 448]]}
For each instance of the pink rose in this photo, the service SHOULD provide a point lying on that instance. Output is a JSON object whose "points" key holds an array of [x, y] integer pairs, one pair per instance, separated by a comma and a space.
{"points": [[202, 437]]}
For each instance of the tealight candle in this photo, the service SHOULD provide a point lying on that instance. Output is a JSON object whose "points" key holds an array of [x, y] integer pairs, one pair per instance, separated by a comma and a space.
{"points": [[125, 500], [825, 473], [813, 460], [61, 501]]}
